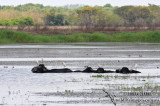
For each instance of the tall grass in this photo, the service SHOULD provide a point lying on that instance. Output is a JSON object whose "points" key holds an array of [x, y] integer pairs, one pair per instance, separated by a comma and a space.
{"points": [[8, 36]]}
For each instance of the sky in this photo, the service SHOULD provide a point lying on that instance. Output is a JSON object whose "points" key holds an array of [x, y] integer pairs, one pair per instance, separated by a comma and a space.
{"points": [[85, 2]]}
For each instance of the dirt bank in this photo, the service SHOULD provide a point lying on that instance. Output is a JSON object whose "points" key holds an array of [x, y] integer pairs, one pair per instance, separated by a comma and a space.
{"points": [[76, 29]]}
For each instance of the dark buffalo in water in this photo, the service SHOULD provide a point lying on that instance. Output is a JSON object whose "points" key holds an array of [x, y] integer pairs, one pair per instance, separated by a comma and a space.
{"points": [[101, 70], [39, 69], [63, 70], [42, 69], [89, 70], [125, 70]]}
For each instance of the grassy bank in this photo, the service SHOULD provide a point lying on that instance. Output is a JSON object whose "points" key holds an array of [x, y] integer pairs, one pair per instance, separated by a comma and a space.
{"points": [[7, 36]]}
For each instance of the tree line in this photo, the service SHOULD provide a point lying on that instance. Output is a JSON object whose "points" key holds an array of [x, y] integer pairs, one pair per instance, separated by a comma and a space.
{"points": [[107, 15]]}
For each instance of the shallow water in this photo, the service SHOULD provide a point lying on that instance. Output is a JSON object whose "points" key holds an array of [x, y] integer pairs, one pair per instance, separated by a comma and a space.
{"points": [[18, 86]]}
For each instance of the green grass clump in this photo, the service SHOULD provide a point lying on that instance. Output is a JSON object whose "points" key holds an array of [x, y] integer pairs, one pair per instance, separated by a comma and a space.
{"points": [[156, 87], [137, 88], [8, 36], [97, 76]]}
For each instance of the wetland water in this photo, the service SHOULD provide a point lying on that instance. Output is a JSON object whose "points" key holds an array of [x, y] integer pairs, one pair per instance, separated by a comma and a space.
{"points": [[18, 86]]}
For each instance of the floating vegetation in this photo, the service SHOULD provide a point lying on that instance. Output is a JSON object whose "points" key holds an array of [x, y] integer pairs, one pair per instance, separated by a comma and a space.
{"points": [[116, 76], [68, 91], [97, 76], [107, 77], [136, 88]]}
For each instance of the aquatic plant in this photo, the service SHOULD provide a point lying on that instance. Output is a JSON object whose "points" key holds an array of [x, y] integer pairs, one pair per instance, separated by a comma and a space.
{"points": [[136, 88], [147, 85], [116, 76], [68, 91], [107, 77], [156, 87], [74, 80], [97, 76]]}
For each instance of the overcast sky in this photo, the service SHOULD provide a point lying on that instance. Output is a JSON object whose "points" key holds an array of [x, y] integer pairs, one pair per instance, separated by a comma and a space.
{"points": [[85, 2]]}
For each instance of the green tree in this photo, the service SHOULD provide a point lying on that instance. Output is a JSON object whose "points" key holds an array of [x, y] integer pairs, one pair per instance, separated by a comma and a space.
{"points": [[156, 11], [59, 19], [140, 12], [55, 19], [123, 13], [5, 22], [133, 15], [95, 16], [107, 5], [17, 21], [88, 16], [49, 18], [28, 21]]}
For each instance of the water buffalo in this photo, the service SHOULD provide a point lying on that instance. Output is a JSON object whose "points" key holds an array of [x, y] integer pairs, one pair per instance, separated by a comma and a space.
{"points": [[42, 69], [39, 69], [63, 70], [89, 70], [99, 70], [125, 70]]}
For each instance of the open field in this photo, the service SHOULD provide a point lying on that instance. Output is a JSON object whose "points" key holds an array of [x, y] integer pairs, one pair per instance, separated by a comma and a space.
{"points": [[21, 87]]}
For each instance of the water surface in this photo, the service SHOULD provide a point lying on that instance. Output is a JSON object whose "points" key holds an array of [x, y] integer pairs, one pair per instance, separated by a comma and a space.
{"points": [[21, 87]]}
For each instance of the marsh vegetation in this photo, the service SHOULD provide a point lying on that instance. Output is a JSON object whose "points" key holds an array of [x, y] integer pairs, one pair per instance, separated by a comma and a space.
{"points": [[8, 36]]}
